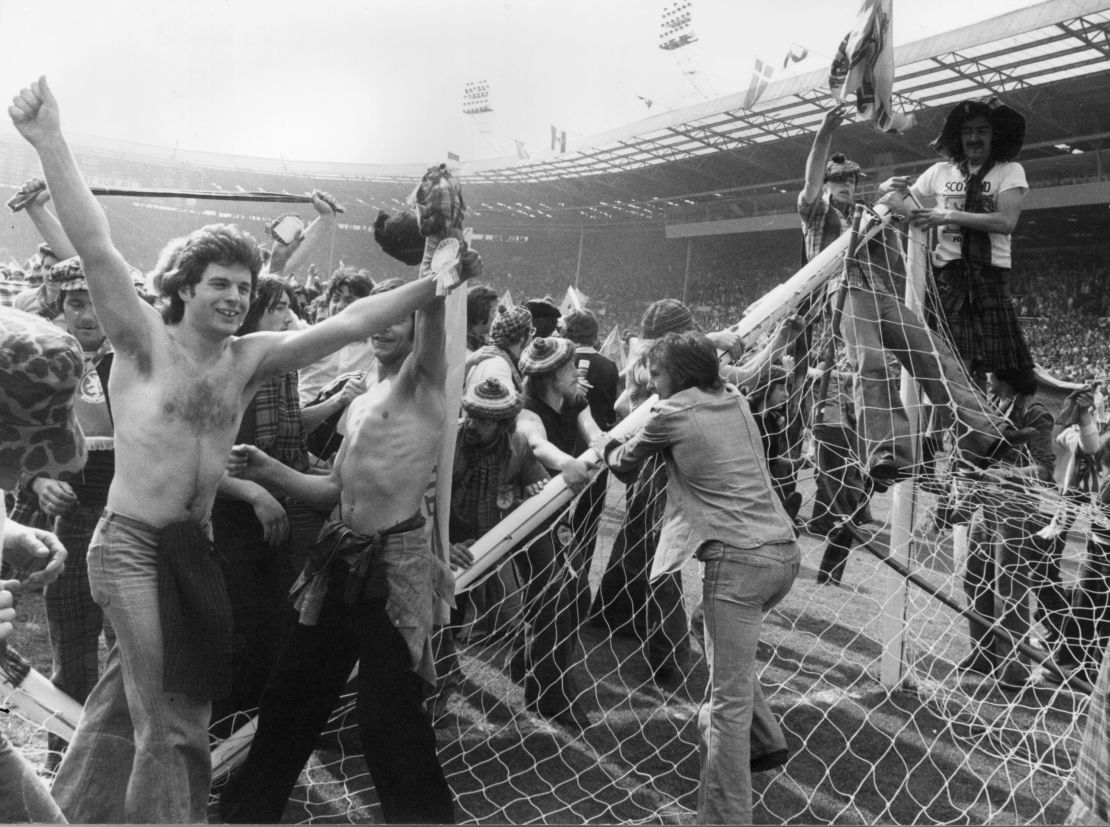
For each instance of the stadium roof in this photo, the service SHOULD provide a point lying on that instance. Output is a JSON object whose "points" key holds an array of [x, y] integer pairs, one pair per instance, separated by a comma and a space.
{"points": [[1007, 55], [718, 160], [1051, 62]]}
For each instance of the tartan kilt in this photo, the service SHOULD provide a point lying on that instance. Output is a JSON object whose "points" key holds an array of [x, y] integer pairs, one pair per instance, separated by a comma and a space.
{"points": [[974, 302]]}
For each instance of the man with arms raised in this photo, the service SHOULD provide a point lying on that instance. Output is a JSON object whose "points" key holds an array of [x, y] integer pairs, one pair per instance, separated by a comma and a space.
{"points": [[366, 595], [178, 391]]}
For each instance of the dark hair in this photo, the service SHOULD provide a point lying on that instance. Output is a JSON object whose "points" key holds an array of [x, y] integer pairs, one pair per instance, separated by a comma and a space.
{"points": [[267, 294], [479, 299], [1007, 130], [353, 280], [580, 326], [1022, 380], [223, 244], [690, 358]]}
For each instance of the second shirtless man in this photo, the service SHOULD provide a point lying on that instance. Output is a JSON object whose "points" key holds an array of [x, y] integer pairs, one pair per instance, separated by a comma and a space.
{"points": [[366, 595]]}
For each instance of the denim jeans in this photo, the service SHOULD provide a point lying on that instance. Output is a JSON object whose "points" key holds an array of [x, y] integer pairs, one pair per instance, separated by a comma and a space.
{"points": [[74, 619], [258, 578], [875, 323], [139, 754], [738, 586], [397, 738], [997, 579], [24, 797]]}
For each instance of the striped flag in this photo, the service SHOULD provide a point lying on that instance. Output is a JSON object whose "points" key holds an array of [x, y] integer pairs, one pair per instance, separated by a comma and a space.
{"points": [[864, 65], [761, 75]]}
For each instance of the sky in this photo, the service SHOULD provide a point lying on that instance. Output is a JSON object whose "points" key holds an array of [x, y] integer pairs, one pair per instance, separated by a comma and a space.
{"points": [[377, 81]]}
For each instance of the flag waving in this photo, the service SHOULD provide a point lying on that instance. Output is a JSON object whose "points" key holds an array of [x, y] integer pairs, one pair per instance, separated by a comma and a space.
{"points": [[761, 75], [864, 65], [795, 55], [573, 299], [613, 347]]}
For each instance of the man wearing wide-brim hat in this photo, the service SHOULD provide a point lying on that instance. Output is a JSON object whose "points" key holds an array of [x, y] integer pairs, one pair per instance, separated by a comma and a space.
{"points": [[977, 193]]}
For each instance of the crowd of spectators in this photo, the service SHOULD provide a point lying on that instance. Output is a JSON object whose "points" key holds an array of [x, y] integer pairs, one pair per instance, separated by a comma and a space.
{"points": [[1063, 296]]}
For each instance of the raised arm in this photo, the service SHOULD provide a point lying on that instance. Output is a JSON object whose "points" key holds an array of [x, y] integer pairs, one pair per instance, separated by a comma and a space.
{"points": [[312, 240], [819, 153], [429, 362], [47, 223], [127, 320], [360, 320]]}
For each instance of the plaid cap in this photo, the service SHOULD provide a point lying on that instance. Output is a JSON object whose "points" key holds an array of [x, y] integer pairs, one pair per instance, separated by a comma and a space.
{"points": [[68, 274], [439, 201], [491, 400], [40, 368], [544, 355], [839, 165], [509, 326], [666, 316]]}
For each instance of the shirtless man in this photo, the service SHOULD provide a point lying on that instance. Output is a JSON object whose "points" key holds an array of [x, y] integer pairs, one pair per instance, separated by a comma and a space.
{"points": [[367, 593], [178, 391]]}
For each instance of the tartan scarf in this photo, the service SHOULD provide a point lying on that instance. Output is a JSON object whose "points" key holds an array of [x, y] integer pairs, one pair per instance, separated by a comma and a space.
{"points": [[276, 419], [975, 245], [474, 491]]}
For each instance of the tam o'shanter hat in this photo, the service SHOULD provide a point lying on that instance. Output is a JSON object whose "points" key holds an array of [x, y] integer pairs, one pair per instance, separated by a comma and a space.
{"points": [[40, 368], [508, 325], [666, 316], [491, 400], [1007, 125], [544, 355], [68, 275], [839, 165]]}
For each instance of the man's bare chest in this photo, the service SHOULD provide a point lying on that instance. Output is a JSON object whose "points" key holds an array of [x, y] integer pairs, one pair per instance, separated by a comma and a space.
{"points": [[201, 402]]}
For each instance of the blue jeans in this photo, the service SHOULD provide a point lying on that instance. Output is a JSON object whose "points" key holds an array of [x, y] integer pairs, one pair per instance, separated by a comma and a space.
{"points": [[75, 620], [876, 323], [738, 586], [397, 738], [23, 795], [139, 754]]}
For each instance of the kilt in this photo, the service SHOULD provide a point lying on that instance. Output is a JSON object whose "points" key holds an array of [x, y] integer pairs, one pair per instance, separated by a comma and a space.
{"points": [[974, 302]]}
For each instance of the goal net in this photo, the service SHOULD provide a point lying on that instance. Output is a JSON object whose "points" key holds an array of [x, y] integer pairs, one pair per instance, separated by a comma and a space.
{"points": [[861, 662]]}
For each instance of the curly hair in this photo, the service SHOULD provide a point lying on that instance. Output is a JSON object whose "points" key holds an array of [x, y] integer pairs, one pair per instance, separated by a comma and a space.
{"points": [[223, 244]]}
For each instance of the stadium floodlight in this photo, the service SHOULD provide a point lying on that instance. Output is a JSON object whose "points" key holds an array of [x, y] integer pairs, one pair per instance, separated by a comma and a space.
{"points": [[677, 27], [476, 98]]}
